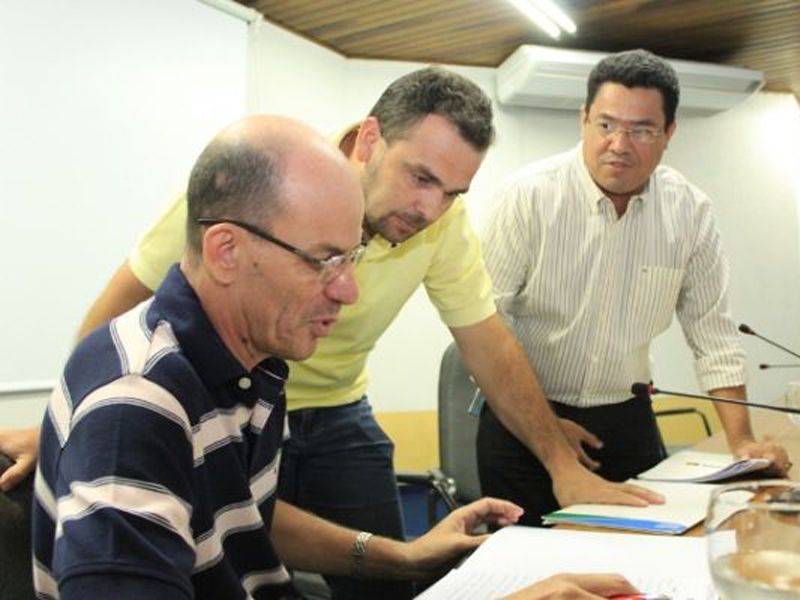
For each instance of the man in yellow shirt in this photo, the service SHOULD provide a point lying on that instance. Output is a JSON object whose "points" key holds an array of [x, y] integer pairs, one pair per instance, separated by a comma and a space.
{"points": [[414, 155]]}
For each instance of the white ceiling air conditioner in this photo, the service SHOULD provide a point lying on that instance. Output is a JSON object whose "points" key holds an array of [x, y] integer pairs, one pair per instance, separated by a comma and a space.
{"points": [[556, 78]]}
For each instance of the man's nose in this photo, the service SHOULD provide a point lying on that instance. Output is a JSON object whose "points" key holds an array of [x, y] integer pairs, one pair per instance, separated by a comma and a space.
{"points": [[430, 207], [343, 288], [619, 140]]}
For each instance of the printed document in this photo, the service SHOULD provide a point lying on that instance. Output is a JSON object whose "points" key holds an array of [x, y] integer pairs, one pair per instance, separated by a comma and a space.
{"points": [[515, 557], [690, 465]]}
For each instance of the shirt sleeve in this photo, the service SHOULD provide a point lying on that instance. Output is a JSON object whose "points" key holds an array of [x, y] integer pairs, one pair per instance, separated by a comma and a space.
{"points": [[509, 240], [122, 484], [457, 282], [161, 246], [704, 313]]}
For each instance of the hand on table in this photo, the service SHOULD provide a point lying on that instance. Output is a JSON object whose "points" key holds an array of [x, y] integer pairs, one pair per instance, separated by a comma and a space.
{"points": [[570, 586]]}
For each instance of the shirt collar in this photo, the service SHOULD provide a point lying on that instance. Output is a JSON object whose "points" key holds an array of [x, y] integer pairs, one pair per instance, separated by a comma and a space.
{"points": [[176, 302], [339, 136]]}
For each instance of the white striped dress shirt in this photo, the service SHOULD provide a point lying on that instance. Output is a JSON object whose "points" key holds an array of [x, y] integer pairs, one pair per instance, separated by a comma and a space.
{"points": [[586, 292]]}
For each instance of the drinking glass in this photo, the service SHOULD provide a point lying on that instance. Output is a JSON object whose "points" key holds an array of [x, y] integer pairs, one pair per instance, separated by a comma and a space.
{"points": [[791, 399], [753, 539]]}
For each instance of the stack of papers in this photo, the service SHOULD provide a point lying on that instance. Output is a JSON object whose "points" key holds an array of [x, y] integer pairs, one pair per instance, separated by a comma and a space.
{"points": [[689, 465], [685, 507], [681, 479], [515, 557]]}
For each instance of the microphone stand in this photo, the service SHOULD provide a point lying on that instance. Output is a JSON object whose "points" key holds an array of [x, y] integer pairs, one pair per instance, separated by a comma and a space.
{"points": [[746, 329], [644, 390]]}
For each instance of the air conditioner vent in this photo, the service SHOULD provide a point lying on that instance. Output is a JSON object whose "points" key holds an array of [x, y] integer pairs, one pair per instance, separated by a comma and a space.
{"points": [[556, 78]]}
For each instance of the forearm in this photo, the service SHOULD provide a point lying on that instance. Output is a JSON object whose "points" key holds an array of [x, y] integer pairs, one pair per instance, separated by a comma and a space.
{"points": [[735, 419], [504, 374], [304, 541]]}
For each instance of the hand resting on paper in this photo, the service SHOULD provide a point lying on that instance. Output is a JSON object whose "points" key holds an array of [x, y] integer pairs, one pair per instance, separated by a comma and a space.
{"points": [[569, 586]]}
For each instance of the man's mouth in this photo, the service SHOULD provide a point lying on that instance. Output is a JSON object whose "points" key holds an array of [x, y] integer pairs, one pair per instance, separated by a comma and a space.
{"points": [[616, 163], [321, 326], [410, 224]]}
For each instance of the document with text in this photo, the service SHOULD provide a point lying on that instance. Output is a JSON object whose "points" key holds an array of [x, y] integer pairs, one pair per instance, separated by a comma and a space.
{"points": [[691, 465], [515, 557]]}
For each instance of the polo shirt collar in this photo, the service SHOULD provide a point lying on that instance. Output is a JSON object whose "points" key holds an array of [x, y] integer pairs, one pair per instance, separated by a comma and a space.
{"points": [[177, 302]]}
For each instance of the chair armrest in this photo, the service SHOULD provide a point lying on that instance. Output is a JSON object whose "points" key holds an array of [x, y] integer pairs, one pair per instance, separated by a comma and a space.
{"points": [[439, 487]]}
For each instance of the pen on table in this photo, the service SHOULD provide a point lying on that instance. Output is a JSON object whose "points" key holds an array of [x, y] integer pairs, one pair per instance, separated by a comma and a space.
{"points": [[692, 463]]}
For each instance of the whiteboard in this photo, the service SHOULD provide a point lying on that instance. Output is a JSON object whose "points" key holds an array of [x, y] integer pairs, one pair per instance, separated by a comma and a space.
{"points": [[104, 106]]}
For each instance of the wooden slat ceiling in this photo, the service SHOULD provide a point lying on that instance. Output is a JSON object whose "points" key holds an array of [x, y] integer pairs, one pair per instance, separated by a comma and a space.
{"points": [[759, 34]]}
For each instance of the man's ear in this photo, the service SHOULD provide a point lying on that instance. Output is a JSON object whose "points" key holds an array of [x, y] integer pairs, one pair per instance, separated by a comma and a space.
{"points": [[222, 252], [670, 132], [368, 138]]}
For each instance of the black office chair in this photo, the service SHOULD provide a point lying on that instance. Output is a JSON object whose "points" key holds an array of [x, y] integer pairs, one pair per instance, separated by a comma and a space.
{"points": [[16, 578], [455, 482]]}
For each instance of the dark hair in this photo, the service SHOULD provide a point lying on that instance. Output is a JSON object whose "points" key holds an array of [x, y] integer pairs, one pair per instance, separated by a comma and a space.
{"points": [[436, 91], [232, 180], [637, 68]]}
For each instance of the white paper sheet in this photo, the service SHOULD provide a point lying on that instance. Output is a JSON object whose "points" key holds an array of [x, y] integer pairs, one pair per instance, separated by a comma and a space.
{"points": [[517, 556], [691, 465]]}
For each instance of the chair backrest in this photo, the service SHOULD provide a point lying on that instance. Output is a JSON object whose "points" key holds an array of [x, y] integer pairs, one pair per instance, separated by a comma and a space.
{"points": [[675, 438], [16, 579], [457, 427]]}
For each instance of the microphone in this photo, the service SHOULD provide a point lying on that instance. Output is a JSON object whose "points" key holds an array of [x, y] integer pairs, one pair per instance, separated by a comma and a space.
{"points": [[768, 366], [747, 330], [644, 390]]}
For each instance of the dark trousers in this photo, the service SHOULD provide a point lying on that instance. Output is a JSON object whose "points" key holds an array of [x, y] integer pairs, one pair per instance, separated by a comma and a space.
{"points": [[338, 465], [507, 469]]}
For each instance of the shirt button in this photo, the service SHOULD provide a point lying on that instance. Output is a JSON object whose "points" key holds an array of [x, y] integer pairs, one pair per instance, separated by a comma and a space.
{"points": [[245, 383]]}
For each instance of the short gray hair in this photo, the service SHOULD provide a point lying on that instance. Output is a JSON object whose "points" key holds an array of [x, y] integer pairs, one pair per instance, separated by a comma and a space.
{"points": [[232, 180]]}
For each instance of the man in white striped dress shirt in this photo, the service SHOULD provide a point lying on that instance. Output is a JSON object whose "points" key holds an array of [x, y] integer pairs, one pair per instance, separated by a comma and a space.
{"points": [[591, 252], [161, 446]]}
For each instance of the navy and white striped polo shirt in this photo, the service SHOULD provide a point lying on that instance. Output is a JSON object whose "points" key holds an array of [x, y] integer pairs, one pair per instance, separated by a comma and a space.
{"points": [[159, 463]]}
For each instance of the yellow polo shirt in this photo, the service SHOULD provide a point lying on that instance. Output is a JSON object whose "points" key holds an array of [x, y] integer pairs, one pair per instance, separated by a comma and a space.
{"points": [[445, 257]]}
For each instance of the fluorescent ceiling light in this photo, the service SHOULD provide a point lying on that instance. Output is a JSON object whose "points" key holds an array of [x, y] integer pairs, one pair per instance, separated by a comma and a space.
{"points": [[547, 15], [554, 12], [538, 17]]}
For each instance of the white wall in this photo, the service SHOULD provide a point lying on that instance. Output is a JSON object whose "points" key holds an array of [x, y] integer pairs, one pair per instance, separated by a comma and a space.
{"points": [[298, 79], [745, 159], [105, 105]]}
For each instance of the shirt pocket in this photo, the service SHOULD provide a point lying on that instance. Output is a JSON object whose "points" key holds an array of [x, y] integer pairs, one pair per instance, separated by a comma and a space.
{"points": [[655, 294]]}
